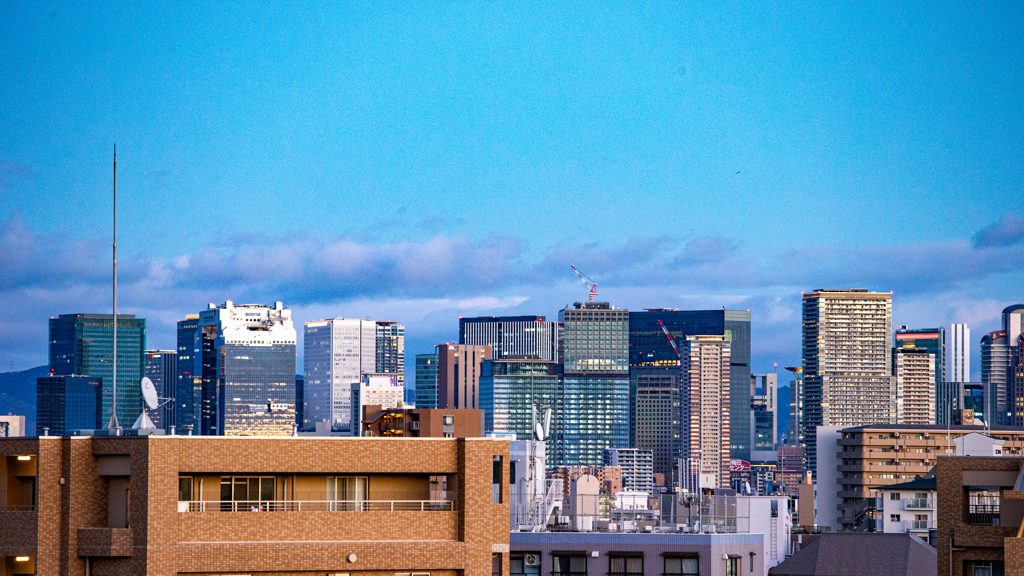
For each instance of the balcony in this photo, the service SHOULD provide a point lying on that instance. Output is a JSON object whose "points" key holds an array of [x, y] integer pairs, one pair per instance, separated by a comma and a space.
{"points": [[317, 506], [983, 514], [918, 504], [920, 524]]}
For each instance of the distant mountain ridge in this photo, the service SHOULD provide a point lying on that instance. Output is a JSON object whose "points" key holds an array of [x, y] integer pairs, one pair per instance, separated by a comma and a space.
{"points": [[18, 394]]}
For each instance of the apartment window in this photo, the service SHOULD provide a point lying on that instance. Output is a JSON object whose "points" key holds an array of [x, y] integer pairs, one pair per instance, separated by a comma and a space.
{"points": [[894, 517], [732, 567], [346, 493], [625, 565], [524, 564], [986, 568], [185, 489], [496, 480], [495, 564], [449, 420], [679, 566], [568, 565], [247, 493], [894, 496]]}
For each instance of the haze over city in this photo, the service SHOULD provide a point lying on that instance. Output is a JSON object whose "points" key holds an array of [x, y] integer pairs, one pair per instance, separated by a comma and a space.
{"points": [[421, 163]]}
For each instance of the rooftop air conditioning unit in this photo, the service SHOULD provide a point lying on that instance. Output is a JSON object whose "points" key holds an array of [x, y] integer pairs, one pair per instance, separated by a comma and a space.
{"points": [[532, 560]]}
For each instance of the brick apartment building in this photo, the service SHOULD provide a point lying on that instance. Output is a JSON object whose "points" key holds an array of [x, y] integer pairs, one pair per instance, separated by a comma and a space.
{"points": [[422, 423], [980, 510], [166, 505]]}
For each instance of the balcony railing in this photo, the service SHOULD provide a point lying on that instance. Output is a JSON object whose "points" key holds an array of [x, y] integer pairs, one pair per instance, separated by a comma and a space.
{"points": [[918, 503], [317, 506], [921, 524], [983, 514]]}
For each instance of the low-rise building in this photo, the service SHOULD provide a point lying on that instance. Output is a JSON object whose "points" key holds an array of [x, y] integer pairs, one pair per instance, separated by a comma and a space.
{"points": [[418, 423], [12, 426], [632, 554], [165, 505], [863, 460], [853, 554], [909, 507], [980, 510]]}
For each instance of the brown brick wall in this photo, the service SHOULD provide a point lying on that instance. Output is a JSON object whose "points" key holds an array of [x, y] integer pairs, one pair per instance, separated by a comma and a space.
{"points": [[164, 541], [978, 542]]}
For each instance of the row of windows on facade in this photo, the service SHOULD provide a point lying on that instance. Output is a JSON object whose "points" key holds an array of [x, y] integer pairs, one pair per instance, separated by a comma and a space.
{"points": [[619, 564]]}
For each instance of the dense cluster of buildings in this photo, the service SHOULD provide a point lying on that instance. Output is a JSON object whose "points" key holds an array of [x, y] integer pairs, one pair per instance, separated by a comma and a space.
{"points": [[645, 420]]}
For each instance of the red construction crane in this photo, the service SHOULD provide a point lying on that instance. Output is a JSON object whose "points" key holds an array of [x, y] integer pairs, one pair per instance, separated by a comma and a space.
{"points": [[587, 281], [670, 340]]}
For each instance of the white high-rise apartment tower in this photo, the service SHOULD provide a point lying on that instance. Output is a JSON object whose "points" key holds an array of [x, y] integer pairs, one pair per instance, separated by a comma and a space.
{"points": [[704, 404], [847, 357], [958, 353]]}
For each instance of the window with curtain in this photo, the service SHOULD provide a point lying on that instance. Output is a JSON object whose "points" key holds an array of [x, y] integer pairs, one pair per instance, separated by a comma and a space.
{"points": [[569, 565], [681, 567], [625, 565]]}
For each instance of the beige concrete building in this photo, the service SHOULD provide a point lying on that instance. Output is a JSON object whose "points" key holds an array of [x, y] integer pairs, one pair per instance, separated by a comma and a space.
{"points": [[168, 505], [704, 404], [869, 458], [914, 369]]}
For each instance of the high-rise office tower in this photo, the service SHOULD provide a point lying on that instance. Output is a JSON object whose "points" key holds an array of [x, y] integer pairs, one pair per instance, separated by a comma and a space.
{"points": [[337, 354], [995, 375], [764, 411], [933, 340], [520, 336], [795, 436], [426, 381], [247, 367], [66, 403], [914, 369], [958, 353], [595, 383], [705, 404], [459, 368], [656, 419], [162, 369], [300, 402], [997, 361], [390, 349], [951, 391], [847, 362], [189, 390], [82, 345], [650, 350], [510, 388]]}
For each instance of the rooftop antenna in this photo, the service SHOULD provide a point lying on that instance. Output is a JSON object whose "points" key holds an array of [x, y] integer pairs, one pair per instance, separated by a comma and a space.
{"points": [[113, 425]]}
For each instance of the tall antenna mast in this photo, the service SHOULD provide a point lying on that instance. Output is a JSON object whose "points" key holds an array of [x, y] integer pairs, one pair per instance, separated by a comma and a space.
{"points": [[113, 425]]}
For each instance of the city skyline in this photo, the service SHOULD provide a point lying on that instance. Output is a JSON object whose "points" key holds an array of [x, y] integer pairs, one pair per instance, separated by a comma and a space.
{"points": [[422, 164]]}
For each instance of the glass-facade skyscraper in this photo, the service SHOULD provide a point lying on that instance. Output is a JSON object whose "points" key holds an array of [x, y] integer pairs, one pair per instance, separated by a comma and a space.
{"points": [[511, 336], [66, 403], [188, 393], [162, 369], [83, 345], [247, 368], [650, 352], [594, 389], [426, 381], [508, 390]]}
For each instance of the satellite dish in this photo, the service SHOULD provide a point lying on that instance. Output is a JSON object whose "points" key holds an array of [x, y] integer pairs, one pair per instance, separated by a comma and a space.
{"points": [[149, 393]]}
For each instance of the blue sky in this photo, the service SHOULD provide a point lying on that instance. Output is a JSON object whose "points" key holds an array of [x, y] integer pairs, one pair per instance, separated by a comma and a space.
{"points": [[418, 163]]}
